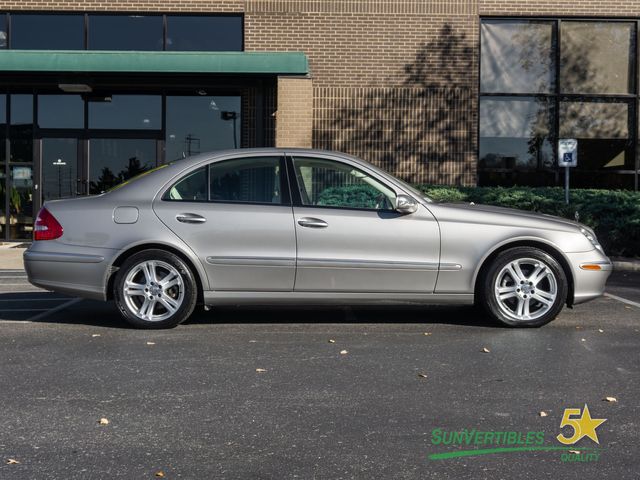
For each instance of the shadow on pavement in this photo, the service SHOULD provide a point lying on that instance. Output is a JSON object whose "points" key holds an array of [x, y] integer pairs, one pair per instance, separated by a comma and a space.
{"points": [[49, 307]]}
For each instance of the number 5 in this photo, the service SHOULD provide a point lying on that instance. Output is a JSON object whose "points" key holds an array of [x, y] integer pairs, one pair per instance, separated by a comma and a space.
{"points": [[573, 423]]}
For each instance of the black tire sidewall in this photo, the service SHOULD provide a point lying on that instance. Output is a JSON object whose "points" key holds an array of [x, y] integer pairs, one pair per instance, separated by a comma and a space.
{"points": [[188, 280], [490, 303]]}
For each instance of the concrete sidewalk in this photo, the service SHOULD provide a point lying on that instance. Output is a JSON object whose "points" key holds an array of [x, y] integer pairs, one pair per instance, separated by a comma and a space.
{"points": [[11, 259]]}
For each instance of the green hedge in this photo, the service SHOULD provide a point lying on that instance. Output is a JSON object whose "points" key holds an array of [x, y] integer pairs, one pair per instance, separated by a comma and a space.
{"points": [[613, 214]]}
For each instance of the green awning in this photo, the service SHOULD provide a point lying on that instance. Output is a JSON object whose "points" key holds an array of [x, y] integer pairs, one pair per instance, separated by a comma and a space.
{"points": [[80, 61]]}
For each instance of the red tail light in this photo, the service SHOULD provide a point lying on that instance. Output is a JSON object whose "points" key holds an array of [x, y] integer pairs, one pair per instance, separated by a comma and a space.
{"points": [[46, 227]]}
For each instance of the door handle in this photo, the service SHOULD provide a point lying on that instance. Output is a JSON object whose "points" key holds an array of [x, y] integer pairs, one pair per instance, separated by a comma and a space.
{"points": [[312, 222], [190, 218]]}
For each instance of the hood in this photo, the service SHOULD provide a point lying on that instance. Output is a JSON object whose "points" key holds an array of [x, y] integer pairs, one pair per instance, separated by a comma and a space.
{"points": [[512, 215]]}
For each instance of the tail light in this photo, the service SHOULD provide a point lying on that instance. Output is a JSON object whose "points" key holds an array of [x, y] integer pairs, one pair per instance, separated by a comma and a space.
{"points": [[46, 226]]}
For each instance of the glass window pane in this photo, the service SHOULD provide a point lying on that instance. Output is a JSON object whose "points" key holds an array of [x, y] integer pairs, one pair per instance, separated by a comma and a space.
{"points": [[517, 57], [326, 183], [596, 57], [602, 131], [515, 133], [192, 188], [22, 120], [114, 160], [59, 167], [21, 202], [255, 180], [201, 124], [60, 111], [142, 112], [3, 30], [47, 32], [125, 32], [204, 33], [3, 113]]}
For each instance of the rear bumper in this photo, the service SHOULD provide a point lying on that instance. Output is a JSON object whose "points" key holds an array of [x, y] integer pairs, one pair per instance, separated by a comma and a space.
{"points": [[79, 274], [589, 284]]}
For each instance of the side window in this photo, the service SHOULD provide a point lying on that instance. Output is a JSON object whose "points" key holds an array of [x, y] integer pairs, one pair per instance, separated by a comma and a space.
{"points": [[191, 188], [252, 180], [327, 183]]}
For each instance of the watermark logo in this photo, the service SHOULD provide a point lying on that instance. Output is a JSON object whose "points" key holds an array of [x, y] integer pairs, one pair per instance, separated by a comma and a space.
{"points": [[577, 423]]}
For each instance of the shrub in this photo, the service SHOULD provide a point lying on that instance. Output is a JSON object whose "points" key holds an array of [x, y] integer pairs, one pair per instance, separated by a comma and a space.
{"points": [[613, 214]]}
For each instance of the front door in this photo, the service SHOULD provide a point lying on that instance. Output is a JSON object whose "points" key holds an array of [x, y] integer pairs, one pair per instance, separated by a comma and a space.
{"points": [[350, 238], [59, 159], [236, 216]]}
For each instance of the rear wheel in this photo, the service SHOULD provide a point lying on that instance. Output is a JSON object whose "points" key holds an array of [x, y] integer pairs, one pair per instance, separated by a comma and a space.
{"points": [[524, 287], [155, 289]]}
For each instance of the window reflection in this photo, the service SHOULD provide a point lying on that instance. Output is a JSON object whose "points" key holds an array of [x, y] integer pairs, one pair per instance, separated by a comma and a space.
{"points": [[204, 33], [602, 130], [596, 57], [125, 32], [138, 112], [517, 57], [60, 111], [197, 124], [47, 32], [113, 161], [515, 133]]}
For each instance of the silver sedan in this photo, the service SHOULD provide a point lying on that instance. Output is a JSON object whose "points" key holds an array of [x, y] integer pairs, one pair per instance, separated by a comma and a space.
{"points": [[292, 226]]}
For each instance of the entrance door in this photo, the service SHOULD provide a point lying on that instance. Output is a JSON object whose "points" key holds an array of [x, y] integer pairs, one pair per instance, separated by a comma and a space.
{"points": [[59, 168]]}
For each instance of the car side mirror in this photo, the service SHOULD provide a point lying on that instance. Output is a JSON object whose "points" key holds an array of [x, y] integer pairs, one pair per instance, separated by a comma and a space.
{"points": [[406, 204]]}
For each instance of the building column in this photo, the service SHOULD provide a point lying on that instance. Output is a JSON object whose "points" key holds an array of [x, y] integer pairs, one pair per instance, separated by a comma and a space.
{"points": [[294, 117]]}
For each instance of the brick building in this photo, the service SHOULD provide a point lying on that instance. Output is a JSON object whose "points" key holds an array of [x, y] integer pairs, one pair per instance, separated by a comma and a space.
{"points": [[443, 91]]}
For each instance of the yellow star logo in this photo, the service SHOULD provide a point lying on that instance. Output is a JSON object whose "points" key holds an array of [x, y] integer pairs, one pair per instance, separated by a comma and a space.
{"points": [[585, 426]]}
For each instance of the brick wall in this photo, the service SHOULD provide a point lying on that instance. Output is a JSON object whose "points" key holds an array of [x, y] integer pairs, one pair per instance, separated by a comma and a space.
{"points": [[294, 119]]}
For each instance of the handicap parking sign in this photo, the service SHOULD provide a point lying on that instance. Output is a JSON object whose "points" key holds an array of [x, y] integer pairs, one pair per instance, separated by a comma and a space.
{"points": [[567, 152]]}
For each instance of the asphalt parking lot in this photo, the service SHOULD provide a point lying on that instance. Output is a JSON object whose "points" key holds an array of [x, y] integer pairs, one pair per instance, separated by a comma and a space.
{"points": [[267, 394]]}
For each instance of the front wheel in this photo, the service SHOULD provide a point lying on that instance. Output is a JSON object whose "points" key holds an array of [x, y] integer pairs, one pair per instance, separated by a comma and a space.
{"points": [[155, 289], [524, 287]]}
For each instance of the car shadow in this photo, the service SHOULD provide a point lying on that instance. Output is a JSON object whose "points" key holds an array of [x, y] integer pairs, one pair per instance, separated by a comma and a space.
{"points": [[47, 307]]}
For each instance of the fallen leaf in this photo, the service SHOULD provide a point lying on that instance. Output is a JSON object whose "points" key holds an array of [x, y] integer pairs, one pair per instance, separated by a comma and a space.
{"points": [[331, 340], [12, 461], [160, 473], [261, 370], [575, 451], [103, 421], [343, 352], [583, 339], [426, 334], [95, 334], [578, 328], [151, 343], [611, 399], [601, 330], [422, 375], [486, 350], [543, 414]]}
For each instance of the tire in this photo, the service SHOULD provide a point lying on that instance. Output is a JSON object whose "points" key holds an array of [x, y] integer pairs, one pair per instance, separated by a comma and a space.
{"points": [[523, 287], [150, 303]]}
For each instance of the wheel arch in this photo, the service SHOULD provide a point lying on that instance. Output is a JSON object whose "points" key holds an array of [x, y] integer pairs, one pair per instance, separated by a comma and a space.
{"points": [[537, 243], [131, 250]]}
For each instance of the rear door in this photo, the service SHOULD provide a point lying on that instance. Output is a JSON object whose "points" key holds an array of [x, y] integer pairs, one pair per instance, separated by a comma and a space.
{"points": [[350, 238], [237, 217]]}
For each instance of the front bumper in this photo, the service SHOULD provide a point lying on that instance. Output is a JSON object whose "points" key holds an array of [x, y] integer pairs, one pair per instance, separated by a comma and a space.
{"points": [[588, 283]]}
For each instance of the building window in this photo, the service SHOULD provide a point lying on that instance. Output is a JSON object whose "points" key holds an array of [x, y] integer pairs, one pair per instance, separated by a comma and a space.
{"points": [[60, 111], [527, 102], [204, 33], [47, 32], [198, 124], [3, 31], [125, 32], [135, 112]]}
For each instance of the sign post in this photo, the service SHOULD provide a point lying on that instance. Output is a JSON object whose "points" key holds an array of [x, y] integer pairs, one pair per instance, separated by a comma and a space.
{"points": [[567, 158]]}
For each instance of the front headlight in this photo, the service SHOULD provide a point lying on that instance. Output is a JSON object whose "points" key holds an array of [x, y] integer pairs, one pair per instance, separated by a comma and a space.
{"points": [[591, 236]]}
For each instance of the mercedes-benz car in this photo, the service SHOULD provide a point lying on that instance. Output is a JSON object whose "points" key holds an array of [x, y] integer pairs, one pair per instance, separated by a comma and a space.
{"points": [[305, 227]]}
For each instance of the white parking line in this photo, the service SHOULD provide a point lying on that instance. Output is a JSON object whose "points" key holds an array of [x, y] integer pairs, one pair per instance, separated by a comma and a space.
{"points": [[54, 310], [623, 300]]}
